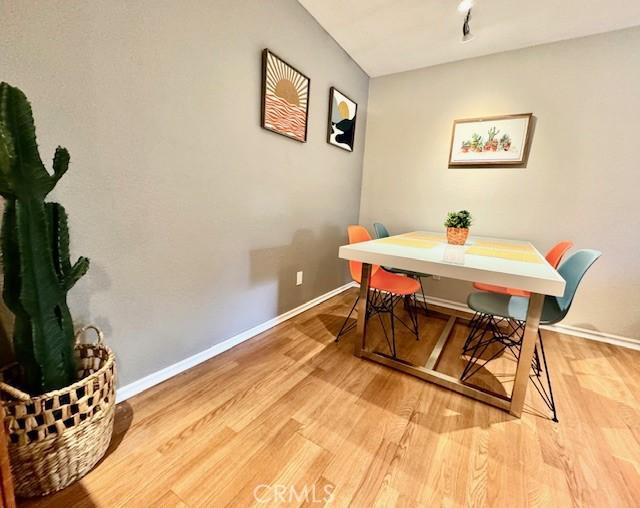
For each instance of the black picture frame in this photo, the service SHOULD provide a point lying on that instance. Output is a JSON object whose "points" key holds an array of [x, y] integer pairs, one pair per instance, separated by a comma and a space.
{"points": [[332, 92], [287, 71]]}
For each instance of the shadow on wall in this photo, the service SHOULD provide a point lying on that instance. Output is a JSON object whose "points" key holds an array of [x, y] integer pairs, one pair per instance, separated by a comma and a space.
{"points": [[314, 254], [96, 280]]}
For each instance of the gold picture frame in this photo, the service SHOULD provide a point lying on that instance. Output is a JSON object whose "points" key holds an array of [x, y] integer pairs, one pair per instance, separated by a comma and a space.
{"points": [[491, 141]]}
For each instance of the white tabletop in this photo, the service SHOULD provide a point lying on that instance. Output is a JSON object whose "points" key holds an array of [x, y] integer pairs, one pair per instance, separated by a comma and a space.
{"points": [[511, 263]]}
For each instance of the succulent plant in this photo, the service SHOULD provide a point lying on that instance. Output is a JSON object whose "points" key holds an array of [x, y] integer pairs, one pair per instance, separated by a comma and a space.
{"points": [[461, 219], [505, 142], [476, 140], [493, 132], [35, 251]]}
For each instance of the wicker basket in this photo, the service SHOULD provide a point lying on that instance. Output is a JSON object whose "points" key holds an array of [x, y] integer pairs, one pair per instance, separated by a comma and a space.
{"points": [[56, 438], [457, 236]]}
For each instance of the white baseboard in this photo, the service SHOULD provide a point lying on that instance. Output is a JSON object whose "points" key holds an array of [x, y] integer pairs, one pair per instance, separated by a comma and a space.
{"points": [[127, 391], [575, 331]]}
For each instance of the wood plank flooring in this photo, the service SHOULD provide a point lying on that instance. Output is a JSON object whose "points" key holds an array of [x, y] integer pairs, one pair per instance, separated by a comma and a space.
{"points": [[291, 410]]}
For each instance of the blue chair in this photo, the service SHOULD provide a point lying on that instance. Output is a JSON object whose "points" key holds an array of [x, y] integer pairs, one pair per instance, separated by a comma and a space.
{"points": [[501, 320], [382, 232]]}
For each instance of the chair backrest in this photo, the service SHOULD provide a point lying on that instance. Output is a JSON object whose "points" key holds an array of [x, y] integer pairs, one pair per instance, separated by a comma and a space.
{"points": [[557, 252], [572, 271], [357, 234], [380, 231]]}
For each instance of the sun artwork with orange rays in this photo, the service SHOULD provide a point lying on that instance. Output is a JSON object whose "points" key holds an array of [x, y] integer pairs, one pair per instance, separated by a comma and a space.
{"points": [[285, 98]]}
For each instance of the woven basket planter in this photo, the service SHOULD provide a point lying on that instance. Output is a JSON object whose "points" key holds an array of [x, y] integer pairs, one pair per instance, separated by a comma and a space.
{"points": [[56, 438], [457, 236]]}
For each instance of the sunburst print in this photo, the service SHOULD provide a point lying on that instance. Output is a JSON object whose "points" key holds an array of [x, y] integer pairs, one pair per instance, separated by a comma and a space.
{"points": [[285, 98]]}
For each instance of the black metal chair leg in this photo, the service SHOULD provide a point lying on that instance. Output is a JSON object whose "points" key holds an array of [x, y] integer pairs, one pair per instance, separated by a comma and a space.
{"points": [[393, 328], [546, 370], [416, 318], [342, 329], [475, 324], [474, 319], [424, 298], [510, 338]]}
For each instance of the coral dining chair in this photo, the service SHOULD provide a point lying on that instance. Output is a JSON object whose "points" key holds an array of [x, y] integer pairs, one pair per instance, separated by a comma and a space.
{"points": [[386, 290], [381, 231]]}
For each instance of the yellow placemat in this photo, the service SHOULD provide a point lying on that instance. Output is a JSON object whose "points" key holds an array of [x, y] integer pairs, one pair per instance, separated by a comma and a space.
{"points": [[405, 241], [513, 255], [502, 245], [425, 236]]}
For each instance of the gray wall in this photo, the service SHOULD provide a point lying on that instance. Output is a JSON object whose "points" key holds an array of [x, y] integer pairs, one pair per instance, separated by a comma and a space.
{"points": [[195, 218], [583, 176]]}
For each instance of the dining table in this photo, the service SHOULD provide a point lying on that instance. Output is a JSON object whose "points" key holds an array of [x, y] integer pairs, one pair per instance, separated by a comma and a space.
{"points": [[501, 262]]}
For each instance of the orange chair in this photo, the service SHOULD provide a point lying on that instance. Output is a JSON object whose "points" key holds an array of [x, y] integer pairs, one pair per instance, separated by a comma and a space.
{"points": [[387, 289], [553, 257]]}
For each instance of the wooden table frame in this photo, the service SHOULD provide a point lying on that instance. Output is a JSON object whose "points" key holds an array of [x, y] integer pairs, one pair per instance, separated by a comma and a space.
{"points": [[513, 404]]}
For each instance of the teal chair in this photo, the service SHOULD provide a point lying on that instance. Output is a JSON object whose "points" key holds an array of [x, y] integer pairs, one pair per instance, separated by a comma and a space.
{"points": [[381, 231], [501, 320]]}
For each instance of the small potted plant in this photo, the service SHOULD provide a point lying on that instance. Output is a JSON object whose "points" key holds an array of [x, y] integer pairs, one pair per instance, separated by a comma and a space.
{"points": [[466, 145], [457, 225], [505, 142], [476, 142], [492, 142]]}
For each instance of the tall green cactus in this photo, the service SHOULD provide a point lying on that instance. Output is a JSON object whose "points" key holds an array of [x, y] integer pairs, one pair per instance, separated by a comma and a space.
{"points": [[35, 251]]}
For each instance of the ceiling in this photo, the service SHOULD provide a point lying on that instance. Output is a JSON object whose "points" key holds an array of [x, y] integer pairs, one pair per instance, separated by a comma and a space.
{"points": [[387, 36]]}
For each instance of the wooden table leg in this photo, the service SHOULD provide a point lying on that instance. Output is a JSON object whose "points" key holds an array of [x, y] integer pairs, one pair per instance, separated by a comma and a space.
{"points": [[529, 340], [363, 303]]}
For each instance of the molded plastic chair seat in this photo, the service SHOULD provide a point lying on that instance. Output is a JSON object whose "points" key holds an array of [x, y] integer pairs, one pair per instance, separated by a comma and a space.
{"points": [[512, 307], [553, 257], [379, 279], [393, 283]]}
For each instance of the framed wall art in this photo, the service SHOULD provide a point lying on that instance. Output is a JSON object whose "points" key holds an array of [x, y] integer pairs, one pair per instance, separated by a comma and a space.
{"points": [[285, 98], [341, 129], [496, 141]]}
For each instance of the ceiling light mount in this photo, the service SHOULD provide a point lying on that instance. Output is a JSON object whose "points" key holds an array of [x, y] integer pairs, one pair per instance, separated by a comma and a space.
{"points": [[466, 28]]}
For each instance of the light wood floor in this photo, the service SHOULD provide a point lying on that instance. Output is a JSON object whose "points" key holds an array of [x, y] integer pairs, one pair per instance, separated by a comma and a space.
{"points": [[293, 408]]}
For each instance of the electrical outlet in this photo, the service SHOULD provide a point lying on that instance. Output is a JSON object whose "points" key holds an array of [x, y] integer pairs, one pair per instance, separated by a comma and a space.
{"points": [[436, 277], [299, 279]]}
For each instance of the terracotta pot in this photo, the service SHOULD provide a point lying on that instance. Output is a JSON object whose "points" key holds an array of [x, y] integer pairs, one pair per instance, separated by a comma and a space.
{"points": [[457, 236]]}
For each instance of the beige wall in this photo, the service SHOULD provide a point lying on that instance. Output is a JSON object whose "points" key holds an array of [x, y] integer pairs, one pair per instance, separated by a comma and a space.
{"points": [[195, 218], [583, 178]]}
